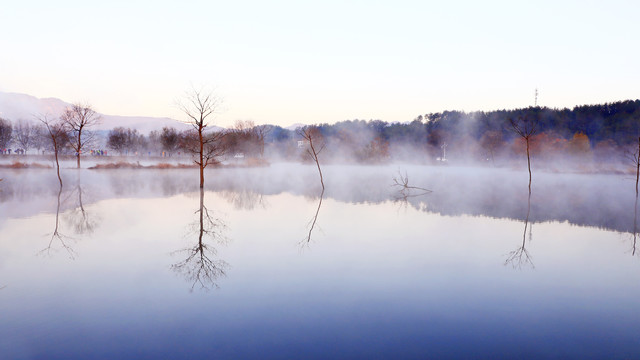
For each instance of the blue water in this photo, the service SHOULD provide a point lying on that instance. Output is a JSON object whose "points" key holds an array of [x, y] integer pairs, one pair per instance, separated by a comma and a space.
{"points": [[380, 278]]}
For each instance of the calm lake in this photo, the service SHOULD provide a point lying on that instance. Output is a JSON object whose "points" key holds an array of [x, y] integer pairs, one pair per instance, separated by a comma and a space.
{"points": [[139, 264]]}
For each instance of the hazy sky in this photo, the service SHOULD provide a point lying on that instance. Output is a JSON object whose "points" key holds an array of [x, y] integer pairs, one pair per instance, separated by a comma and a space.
{"points": [[284, 62]]}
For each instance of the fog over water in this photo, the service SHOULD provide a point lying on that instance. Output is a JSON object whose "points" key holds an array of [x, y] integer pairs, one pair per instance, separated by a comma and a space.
{"points": [[141, 264], [599, 200]]}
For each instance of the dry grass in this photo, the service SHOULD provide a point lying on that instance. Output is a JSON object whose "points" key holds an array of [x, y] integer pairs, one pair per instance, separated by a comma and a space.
{"points": [[21, 165], [128, 165], [250, 162]]}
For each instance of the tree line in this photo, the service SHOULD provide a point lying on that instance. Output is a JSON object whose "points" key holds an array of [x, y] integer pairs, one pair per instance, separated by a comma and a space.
{"points": [[588, 133], [599, 133]]}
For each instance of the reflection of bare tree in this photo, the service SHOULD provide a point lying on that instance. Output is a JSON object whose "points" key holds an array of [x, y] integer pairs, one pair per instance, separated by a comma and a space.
{"points": [[314, 219], [520, 256], [634, 156], [405, 190], [244, 199], [56, 233], [635, 227], [313, 134], [79, 218], [200, 266]]}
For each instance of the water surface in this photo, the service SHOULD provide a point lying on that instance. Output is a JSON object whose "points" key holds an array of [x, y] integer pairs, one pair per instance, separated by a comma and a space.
{"points": [[474, 269]]}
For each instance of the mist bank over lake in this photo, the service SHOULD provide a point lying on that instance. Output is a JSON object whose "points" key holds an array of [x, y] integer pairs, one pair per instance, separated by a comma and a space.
{"points": [[591, 138], [605, 201]]}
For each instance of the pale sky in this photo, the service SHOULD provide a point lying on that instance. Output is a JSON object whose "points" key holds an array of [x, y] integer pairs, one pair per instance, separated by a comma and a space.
{"points": [[284, 62]]}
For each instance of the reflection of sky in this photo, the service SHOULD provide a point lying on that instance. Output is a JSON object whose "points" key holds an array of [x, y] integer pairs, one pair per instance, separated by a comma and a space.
{"points": [[376, 279]]}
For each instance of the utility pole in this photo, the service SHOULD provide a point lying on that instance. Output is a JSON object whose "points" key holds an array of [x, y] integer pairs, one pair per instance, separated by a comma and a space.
{"points": [[444, 151]]}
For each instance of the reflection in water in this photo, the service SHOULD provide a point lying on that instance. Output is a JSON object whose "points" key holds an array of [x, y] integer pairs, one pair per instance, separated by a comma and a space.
{"points": [[584, 200], [200, 266], [56, 232], [314, 219], [520, 256], [405, 190], [79, 218], [244, 199], [635, 227]]}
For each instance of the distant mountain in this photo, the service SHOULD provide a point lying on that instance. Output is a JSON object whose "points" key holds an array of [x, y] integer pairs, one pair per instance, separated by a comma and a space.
{"points": [[295, 127], [15, 106]]}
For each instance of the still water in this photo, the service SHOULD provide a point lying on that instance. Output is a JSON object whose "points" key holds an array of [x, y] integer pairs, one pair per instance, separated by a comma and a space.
{"points": [[141, 264]]}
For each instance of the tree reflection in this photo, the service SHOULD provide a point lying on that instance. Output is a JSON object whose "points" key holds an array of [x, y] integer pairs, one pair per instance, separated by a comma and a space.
{"points": [[200, 267], [635, 227], [520, 256], [56, 235], [314, 219], [244, 199], [405, 190], [79, 218]]}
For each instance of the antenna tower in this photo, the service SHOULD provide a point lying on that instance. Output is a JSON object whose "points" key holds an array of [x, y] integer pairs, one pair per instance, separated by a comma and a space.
{"points": [[536, 102]]}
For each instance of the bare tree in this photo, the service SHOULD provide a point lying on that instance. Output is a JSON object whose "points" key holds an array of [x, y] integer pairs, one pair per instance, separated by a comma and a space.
{"points": [[169, 140], [200, 107], [316, 142], [24, 134], [124, 140], [491, 141], [5, 133], [312, 134], [525, 127], [78, 119], [244, 138], [58, 136], [634, 156], [261, 132]]}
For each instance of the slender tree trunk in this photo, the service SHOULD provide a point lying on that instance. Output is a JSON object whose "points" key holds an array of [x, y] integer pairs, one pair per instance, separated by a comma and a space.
{"points": [[528, 163], [315, 157], [201, 156], [55, 154], [635, 226], [79, 145], [637, 166]]}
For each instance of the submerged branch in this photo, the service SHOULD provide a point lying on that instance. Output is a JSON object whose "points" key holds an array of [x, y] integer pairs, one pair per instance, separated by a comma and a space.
{"points": [[405, 189]]}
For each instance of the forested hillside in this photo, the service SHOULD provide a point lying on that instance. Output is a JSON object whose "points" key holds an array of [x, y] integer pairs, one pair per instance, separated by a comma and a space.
{"points": [[588, 133]]}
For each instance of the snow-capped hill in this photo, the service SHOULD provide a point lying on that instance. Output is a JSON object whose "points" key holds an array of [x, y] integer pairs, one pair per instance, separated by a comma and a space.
{"points": [[15, 106]]}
